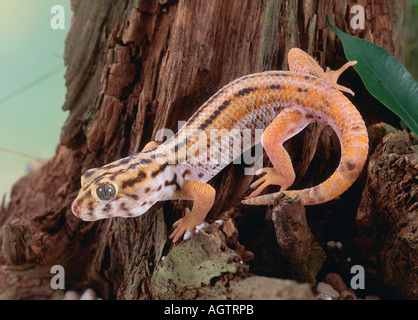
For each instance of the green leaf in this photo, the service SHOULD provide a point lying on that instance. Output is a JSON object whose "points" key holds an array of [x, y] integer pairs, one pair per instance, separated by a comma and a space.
{"points": [[383, 76], [415, 5]]}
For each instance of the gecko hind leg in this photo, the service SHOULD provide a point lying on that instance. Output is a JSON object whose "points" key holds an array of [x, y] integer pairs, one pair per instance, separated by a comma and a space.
{"points": [[331, 76], [300, 61], [287, 124]]}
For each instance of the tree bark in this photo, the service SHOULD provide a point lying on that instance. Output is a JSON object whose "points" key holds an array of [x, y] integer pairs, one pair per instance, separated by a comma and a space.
{"points": [[135, 67], [387, 218]]}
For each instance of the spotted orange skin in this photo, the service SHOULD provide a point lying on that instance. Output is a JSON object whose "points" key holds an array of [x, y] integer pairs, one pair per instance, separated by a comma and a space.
{"points": [[281, 103]]}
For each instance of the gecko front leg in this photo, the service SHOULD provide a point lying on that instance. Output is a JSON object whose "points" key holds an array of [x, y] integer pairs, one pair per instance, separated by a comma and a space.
{"points": [[203, 196]]}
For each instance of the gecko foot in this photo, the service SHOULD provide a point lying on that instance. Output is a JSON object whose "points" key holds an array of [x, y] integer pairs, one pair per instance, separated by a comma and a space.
{"points": [[271, 177], [331, 76], [184, 224], [188, 235]]}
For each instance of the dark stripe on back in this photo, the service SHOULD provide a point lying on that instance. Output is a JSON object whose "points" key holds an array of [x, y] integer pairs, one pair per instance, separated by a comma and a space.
{"points": [[275, 86], [241, 92], [217, 112], [217, 94]]}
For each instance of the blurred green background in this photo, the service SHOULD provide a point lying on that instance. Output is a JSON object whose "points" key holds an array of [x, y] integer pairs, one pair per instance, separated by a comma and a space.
{"points": [[32, 88], [410, 37]]}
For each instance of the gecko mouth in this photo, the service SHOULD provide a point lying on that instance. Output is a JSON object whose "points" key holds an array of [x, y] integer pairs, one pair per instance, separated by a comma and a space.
{"points": [[75, 208], [78, 212]]}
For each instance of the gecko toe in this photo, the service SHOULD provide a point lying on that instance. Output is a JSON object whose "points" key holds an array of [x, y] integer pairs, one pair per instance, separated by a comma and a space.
{"points": [[203, 225], [187, 235]]}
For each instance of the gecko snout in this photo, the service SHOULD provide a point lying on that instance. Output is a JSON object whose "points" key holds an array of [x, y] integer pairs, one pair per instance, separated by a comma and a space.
{"points": [[75, 208]]}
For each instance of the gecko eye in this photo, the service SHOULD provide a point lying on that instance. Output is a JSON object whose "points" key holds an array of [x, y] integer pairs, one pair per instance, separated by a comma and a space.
{"points": [[106, 191]]}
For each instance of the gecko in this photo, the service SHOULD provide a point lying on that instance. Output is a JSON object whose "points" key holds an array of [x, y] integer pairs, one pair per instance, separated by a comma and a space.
{"points": [[281, 103]]}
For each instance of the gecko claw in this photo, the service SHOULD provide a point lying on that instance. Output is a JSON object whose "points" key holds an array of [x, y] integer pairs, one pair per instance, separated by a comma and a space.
{"points": [[182, 229], [187, 236], [271, 177], [186, 227], [201, 226]]}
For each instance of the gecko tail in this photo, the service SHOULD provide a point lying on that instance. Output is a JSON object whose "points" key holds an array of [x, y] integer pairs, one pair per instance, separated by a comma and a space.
{"points": [[334, 186], [310, 196], [268, 199]]}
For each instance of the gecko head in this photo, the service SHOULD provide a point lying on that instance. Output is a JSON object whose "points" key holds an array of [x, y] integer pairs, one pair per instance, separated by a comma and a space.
{"points": [[115, 190]]}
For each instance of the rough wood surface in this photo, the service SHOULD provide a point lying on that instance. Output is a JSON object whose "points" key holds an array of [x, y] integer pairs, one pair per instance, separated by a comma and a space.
{"points": [[135, 67], [304, 256], [387, 217]]}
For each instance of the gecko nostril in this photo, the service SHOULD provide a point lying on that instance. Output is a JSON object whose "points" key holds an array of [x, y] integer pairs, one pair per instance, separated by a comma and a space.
{"points": [[75, 208]]}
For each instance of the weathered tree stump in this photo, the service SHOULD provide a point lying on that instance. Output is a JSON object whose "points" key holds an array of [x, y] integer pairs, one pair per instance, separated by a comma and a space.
{"points": [[135, 67], [387, 218]]}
